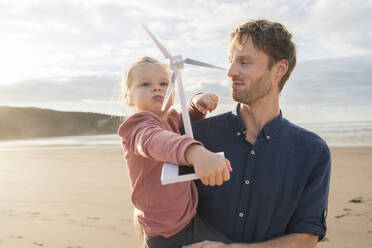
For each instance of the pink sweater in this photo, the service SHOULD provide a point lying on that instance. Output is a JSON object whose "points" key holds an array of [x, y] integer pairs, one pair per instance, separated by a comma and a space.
{"points": [[161, 209]]}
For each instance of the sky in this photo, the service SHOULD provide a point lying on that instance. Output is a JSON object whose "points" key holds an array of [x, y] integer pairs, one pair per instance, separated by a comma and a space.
{"points": [[70, 55]]}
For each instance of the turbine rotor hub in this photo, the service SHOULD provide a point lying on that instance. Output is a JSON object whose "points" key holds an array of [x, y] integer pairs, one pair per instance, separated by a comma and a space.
{"points": [[176, 62]]}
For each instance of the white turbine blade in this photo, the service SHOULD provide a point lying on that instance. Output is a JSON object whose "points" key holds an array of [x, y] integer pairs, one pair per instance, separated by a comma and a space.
{"points": [[159, 45], [195, 62], [170, 89], [185, 111]]}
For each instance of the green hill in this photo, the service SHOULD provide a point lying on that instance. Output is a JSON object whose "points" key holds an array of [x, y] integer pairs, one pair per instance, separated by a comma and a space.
{"points": [[24, 123]]}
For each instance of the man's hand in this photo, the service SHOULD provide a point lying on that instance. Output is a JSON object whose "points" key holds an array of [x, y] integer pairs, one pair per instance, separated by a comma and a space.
{"points": [[212, 168], [207, 244], [205, 102]]}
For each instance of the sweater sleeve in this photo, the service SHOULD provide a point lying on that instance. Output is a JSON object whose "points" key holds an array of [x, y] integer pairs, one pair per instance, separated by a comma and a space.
{"points": [[144, 135]]}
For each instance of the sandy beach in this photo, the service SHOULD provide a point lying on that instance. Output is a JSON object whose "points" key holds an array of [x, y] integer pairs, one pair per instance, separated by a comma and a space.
{"points": [[79, 197]]}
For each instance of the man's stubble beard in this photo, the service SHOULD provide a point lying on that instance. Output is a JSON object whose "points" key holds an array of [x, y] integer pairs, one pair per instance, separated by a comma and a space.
{"points": [[258, 89]]}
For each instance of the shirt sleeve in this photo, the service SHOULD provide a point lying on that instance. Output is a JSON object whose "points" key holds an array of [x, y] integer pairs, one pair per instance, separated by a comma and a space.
{"points": [[144, 135], [311, 212]]}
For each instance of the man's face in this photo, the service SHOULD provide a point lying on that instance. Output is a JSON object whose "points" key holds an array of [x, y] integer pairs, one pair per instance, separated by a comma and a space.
{"points": [[250, 77]]}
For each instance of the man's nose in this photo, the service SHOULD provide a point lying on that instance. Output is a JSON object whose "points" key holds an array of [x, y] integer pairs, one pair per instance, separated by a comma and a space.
{"points": [[231, 70]]}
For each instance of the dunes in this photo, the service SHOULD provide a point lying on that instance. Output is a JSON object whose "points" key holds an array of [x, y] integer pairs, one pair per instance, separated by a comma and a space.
{"points": [[24, 123]]}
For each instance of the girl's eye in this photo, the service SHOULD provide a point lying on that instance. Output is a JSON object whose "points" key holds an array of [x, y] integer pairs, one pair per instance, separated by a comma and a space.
{"points": [[164, 84], [145, 84]]}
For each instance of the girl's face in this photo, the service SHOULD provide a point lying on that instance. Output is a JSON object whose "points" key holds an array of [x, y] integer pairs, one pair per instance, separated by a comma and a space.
{"points": [[148, 88]]}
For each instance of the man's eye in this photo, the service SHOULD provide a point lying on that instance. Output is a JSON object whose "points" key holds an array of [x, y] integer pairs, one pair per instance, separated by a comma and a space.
{"points": [[164, 84]]}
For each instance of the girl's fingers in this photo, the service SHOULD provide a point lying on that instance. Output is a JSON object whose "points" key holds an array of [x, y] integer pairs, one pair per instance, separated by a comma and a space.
{"points": [[204, 181], [211, 181], [219, 179], [214, 101], [207, 102], [226, 175], [228, 164], [202, 107]]}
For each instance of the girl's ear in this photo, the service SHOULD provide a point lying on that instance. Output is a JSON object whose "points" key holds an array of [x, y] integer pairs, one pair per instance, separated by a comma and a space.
{"points": [[128, 99]]}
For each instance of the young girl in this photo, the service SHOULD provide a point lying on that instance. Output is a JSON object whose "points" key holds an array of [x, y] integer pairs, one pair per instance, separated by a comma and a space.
{"points": [[166, 213]]}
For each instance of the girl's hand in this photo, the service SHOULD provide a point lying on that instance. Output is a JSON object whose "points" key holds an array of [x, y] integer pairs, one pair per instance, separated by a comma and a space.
{"points": [[212, 168], [205, 102]]}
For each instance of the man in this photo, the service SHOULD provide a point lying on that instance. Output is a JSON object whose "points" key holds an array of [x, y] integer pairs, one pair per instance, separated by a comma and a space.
{"points": [[278, 192]]}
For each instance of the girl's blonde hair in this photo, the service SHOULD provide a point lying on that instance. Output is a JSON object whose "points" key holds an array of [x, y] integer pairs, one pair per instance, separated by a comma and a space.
{"points": [[129, 73], [139, 231]]}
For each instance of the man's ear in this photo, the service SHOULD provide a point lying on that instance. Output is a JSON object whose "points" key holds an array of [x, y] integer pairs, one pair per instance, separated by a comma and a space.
{"points": [[128, 99], [281, 68]]}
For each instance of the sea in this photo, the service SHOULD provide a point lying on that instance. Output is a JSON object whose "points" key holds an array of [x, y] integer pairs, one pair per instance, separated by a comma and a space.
{"points": [[335, 134]]}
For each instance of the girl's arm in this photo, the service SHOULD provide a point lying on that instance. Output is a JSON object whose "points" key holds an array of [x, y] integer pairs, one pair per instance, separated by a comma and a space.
{"points": [[143, 134]]}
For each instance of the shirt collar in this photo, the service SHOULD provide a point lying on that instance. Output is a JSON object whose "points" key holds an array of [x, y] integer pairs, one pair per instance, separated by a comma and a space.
{"points": [[236, 109], [269, 129], [273, 125]]}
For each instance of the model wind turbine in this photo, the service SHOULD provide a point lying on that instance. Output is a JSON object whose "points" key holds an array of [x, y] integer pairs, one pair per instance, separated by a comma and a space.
{"points": [[170, 173]]}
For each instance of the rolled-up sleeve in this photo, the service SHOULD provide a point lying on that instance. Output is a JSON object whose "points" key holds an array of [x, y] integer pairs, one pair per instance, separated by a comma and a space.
{"points": [[311, 212]]}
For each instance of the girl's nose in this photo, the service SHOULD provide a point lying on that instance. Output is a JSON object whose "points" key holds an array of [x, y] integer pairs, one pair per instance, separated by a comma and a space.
{"points": [[156, 89]]}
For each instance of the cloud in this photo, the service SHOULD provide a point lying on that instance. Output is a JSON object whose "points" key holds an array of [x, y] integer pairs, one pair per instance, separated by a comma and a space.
{"points": [[65, 90], [337, 82], [66, 51], [335, 28], [39, 27]]}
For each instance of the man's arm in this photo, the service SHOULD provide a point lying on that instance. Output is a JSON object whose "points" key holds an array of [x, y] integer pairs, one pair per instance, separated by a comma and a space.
{"points": [[295, 240]]}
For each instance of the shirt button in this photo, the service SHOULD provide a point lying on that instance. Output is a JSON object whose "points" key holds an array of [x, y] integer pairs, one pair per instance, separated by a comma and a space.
{"points": [[238, 134], [253, 152], [246, 181], [241, 215], [267, 137]]}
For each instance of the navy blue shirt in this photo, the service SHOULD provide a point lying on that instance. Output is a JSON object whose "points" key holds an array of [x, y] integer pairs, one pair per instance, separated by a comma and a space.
{"points": [[278, 186]]}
